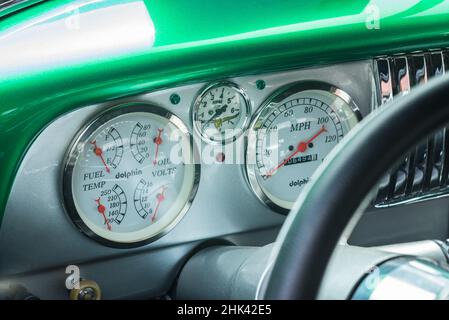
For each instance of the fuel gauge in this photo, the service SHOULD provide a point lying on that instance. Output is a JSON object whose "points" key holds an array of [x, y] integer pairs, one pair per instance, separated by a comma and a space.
{"points": [[130, 175]]}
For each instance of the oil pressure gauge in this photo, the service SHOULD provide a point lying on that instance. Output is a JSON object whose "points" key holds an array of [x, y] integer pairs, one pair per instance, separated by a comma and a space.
{"points": [[220, 113], [130, 175], [291, 134]]}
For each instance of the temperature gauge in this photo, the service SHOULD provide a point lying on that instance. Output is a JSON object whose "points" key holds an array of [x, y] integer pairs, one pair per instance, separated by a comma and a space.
{"points": [[130, 175], [112, 206]]}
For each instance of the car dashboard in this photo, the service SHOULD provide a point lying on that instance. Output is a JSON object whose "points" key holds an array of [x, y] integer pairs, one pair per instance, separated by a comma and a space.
{"points": [[86, 143]]}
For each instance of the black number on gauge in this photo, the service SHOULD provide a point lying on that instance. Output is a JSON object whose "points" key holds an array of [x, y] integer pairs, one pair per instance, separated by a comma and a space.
{"points": [[111, 205], [300, 139], [291, 135], [102, 172], [148, 199], [139, 143], [220, 112], [108, 148]]}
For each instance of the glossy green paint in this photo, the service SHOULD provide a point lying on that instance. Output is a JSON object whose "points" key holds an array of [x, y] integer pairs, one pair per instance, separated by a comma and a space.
{"points": [[195, 40], [9, 8]]}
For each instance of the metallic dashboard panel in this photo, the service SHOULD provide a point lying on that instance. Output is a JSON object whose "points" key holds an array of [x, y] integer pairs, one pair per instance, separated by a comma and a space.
{"points": [[188, 46], [34, 208]]}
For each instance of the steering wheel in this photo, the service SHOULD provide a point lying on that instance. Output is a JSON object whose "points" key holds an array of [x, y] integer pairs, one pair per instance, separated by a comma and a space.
{"points": [[294, 267], [313, 227]]}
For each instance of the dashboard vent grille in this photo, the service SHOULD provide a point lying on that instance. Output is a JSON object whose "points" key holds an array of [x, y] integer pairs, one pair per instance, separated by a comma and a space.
{"points": [[423, 172]]}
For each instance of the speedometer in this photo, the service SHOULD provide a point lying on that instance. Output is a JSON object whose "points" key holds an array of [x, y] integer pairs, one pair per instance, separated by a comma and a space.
{"points": [[291, 135], [130, 175]]}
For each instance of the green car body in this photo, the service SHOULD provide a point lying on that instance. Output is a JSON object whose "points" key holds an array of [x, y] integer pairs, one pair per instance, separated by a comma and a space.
{"points": [[192, 41]]}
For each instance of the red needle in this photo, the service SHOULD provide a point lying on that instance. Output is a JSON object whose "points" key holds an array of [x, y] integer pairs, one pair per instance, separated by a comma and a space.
{"points": [[302, 147], [159, 197], [99, 152], [157, 141], [101, 209]]}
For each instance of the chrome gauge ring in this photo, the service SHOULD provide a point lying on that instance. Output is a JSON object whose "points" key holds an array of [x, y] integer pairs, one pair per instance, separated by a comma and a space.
{"points": [[130, 175], [220, 113], [291, 134]]}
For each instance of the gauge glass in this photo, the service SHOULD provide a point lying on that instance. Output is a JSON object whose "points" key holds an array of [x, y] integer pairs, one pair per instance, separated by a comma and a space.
{"points": [[291, 135], [130, 175], [220, 113]]}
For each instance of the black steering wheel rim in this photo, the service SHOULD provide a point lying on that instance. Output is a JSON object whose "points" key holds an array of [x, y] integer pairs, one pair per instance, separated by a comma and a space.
{"points": [[314, 225]]}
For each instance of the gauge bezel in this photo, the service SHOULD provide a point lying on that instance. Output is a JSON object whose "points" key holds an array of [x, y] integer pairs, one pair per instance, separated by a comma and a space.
{"points": [[202, 94], [273, 102], [78, 145]]}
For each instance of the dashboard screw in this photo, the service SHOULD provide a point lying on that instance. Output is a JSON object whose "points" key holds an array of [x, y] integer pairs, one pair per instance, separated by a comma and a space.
{"points": [[260, 84], [175, 98]]}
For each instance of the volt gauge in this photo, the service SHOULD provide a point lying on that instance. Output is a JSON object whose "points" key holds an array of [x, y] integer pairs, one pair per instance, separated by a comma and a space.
{"points": [[130, 175]]}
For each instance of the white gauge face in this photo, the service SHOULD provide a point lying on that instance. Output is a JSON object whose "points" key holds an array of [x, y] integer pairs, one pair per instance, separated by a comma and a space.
{"points": [[131, 175], [290, 138], [220, 113]]}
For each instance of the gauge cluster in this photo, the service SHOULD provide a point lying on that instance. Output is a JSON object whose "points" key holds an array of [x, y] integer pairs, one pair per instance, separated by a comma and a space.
{"points": [[134, 185], [122, 184], [133, 170]]}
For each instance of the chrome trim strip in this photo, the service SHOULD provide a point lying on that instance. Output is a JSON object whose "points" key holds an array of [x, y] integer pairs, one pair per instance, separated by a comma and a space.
{"points": [[445, 157], [417, 161], [437, 194], [435, 143], [426, 167], [402, 86], [383, 79], [401, 75], [383, 72]]}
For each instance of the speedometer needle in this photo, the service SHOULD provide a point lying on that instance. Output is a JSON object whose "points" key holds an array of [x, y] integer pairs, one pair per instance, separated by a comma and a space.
{"points": [[302, 147], [98, 152], [157, 141], [101, 209], [159, 197]]}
